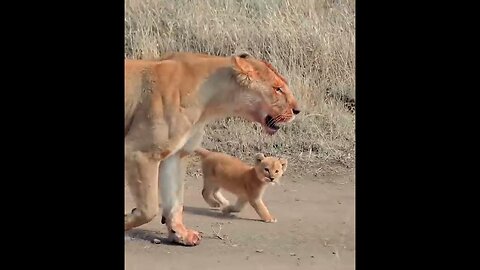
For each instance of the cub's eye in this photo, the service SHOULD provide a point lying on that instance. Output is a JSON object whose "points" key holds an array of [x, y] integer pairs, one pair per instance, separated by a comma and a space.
{"points": [[266, 169], [279, 89], [276, 171]]}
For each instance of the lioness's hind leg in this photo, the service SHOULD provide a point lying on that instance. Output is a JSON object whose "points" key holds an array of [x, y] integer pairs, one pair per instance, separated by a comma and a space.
{"points": [[142, 178]]}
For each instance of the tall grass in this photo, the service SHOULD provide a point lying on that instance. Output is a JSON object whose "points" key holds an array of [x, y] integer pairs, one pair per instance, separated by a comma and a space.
{"points": [[311, 42]]}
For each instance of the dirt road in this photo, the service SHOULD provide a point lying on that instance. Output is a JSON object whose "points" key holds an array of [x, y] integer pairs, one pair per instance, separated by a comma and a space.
{"points": [[315, 230]]}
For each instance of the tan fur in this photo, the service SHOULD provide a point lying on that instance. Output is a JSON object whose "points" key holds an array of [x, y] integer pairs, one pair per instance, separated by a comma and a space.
{"points": [[167, 104], [248, 183]]}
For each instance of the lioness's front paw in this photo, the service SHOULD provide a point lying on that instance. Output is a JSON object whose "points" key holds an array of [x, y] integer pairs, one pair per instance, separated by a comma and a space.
{"points": [[270, 220], [187, 238]]}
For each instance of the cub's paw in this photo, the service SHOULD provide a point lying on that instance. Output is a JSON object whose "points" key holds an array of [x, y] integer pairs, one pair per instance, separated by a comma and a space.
{"points": [[229, 209], [215, 205], [270, 220]]}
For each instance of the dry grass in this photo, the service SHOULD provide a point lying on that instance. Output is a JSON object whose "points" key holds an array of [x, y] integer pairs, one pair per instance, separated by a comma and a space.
{"points": [[311, 42]]}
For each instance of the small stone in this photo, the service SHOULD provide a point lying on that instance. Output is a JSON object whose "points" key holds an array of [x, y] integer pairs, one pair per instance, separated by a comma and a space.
{"points": [[293, 254], [259, 250], [156, 241], [311, 256]]}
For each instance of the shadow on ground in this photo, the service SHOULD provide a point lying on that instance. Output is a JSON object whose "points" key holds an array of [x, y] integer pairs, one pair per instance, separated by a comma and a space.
{"points": [[212, 212]]}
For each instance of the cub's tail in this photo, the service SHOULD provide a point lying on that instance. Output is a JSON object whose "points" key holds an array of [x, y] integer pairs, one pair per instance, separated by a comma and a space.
{"points": [[202, 152]]}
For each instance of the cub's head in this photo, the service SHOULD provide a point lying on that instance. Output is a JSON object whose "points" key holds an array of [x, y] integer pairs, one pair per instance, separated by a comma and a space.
{"points": [[265, 96], [269, 169]]}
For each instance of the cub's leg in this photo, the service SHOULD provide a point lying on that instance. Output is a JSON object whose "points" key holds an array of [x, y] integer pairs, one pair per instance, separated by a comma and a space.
{"points": [[142, 178], [237, 207], [219, 197], [208, 195], [208, 192], [262, 211], [171, 188]]}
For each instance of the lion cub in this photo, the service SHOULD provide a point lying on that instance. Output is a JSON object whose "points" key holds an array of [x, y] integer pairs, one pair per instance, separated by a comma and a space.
{"points": [[247, 182]]}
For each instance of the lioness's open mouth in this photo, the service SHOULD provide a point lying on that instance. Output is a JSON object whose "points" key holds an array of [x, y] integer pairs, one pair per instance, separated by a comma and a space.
{"points": [[271, 125]]}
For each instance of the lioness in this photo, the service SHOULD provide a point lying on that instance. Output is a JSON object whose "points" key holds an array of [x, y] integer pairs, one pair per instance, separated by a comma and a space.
{"points": [[167, 104], [248, 183]]}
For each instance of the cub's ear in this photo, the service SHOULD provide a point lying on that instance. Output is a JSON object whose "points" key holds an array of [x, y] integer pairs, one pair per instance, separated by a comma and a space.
{"points": [[259, 157], [284, 163]]}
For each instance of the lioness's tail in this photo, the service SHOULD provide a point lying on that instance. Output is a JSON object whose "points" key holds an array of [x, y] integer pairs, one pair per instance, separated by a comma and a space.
{"points": [[202, 152]]}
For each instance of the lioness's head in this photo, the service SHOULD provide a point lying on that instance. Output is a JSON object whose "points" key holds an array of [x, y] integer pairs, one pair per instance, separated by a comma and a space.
{"points": [[265, 95], [269, 169]]}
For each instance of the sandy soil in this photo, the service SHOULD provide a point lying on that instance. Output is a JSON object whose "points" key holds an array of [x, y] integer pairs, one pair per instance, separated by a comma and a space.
{"points": [[315, 230]]}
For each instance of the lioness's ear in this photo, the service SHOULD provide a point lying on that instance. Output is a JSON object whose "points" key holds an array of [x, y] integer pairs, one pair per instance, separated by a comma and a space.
{"points": [[243, 54], [284, 163], [259, 157], [242, 65]]}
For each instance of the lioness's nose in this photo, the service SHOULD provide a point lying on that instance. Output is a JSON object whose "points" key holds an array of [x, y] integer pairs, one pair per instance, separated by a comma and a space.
{"points": [[296, 111]]}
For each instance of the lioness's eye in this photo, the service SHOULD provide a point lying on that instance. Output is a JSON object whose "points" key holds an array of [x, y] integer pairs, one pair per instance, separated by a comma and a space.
{"points": [[276, 171], [266, 169], [279, 89]]}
